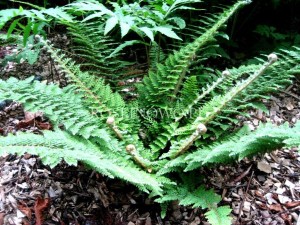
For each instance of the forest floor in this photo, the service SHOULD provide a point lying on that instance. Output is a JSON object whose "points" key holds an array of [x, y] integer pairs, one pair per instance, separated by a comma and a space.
{"points": [[261, 190]]}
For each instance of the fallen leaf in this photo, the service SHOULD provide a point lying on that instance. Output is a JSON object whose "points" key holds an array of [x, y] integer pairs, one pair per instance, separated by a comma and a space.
{"points": [[148, 221], [31, 115], [44, 125], [25, 123], [292, 204], [289, 184], [289, 106], [2, 218], [26, 210], [275, 207], [264, 167], [39, 206], [286, 218], [25, 222], [34, 119]]}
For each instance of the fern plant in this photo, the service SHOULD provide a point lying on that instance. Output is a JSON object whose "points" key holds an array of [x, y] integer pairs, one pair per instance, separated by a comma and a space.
{"points": [[174, 125]]}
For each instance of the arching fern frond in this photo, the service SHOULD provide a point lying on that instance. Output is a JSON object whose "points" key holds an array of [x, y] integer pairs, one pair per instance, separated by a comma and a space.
{"points": [[244, 143], [98, 96], [52, 147], [62, 106], [93, 50], [206, 199], [158, 88]]}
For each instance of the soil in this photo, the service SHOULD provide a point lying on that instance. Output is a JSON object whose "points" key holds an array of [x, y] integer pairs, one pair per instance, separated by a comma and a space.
{"points": [[261, 190]]}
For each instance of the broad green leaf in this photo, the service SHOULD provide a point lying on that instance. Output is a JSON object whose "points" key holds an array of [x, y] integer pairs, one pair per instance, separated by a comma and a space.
{"points": [[110, 24], [125, 44], [167, 31], [32, 56], [92, 16], [178, 21], [90, 6], [8, 14], [58, 13], [148, 32], [38, 14], [125, 27]]}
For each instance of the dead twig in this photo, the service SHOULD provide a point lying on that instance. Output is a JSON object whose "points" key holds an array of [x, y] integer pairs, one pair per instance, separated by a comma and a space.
{"points": [[244, 197], [291, 94]]}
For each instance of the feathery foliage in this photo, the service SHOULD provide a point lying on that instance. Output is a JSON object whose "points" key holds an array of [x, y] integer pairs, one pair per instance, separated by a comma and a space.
{"points": [[158, 88], [95, 51]]}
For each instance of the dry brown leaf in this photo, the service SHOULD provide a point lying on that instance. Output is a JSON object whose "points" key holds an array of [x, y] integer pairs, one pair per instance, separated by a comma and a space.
{"points": [[287, 218], [2, 218], [34, 119], [31, 115], [44, 125], [275, 207], [25, 222], [292, 204], [39, 206], [264, 167], [148, 221], [289, 106], [25, 210]]}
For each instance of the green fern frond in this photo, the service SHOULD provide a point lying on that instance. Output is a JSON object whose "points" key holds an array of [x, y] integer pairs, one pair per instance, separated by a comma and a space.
{"points": [[201, 198], [210, 110], [52, 147], [206, 199], [98, 96], [175, 165], [61, 106], [244, 143], [219, 215], [94, 50], [156, 56], [158, 88], [162, 139], [277, 76]]}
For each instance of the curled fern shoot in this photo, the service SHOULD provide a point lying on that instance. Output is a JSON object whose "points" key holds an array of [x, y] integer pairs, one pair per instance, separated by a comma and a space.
{"points": [[211, 109]]}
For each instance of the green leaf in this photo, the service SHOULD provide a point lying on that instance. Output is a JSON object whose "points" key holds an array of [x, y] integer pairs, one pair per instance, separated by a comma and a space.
{"points": [[38, 14], [201, 198], [12, 27], [219, 216], [261, 106], [124, 45], [26, 34], [8, 14], [167, 31], [178, 21], [58, 13], [110, 24], [92, 16], [38, 27], [125, 27], [148, 32]]}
